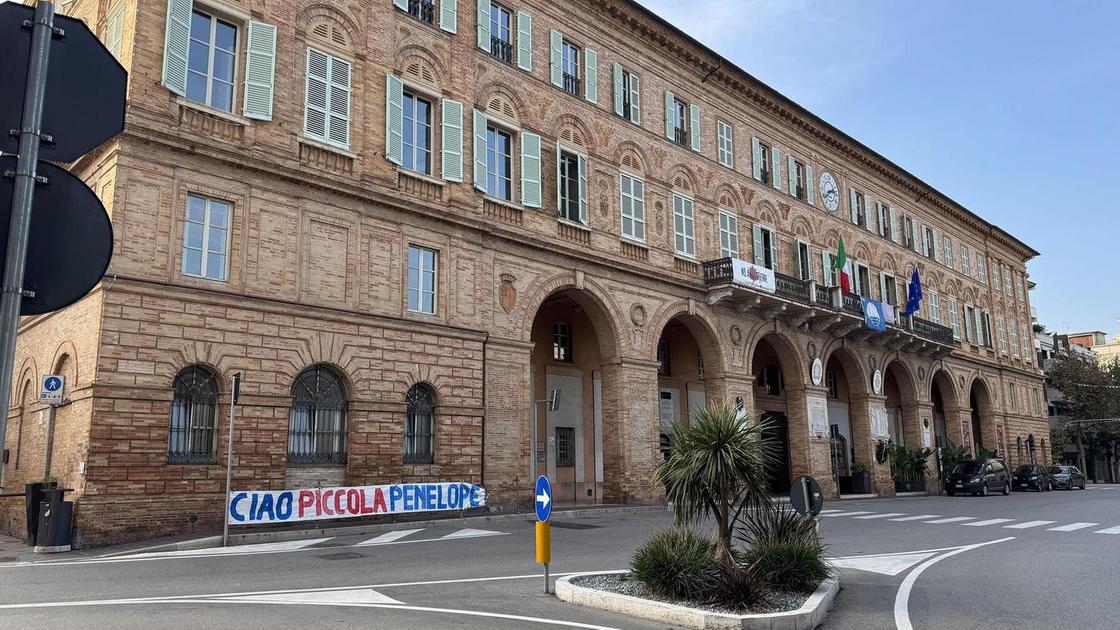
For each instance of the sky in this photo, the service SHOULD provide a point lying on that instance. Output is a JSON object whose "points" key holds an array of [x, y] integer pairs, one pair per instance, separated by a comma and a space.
{"points": [[1008, 107]]}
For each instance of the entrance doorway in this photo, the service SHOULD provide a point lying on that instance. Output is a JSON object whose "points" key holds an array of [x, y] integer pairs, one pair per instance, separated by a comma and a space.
{"points": [[777, 431]]}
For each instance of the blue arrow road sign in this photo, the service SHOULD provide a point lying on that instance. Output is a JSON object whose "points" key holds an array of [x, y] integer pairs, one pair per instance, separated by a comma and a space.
{"points": [[544, 498], [52, 384]]}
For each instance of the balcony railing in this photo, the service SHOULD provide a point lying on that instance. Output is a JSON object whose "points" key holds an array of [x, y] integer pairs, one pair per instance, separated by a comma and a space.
{"points": [[791, 288], [930, 330], [680, 136], [718, 271], [501, 49], [572, 84], [423, 10]]}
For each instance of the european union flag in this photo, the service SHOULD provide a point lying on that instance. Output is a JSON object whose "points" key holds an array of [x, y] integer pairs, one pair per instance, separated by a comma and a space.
{"points": [[914, 300]]}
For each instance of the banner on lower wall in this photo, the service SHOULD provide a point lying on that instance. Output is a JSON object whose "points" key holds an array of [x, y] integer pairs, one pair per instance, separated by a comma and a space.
{"points": [[290, 506]]}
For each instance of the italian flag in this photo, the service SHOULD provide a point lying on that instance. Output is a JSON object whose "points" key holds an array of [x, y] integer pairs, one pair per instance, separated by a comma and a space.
{"points": [[843, 267]]}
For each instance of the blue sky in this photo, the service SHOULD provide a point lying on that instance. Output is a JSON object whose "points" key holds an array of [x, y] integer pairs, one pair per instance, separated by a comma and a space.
{"points": [[1010, 108]]}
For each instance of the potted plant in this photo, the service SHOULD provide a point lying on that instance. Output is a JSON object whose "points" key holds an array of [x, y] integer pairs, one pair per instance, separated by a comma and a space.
{"points": [[861, 479], [908, 468]]}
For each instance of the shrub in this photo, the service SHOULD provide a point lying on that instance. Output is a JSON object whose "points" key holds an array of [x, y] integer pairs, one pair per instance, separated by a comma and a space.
{"points": [[782, 549], [677, 564], [740, 587]]}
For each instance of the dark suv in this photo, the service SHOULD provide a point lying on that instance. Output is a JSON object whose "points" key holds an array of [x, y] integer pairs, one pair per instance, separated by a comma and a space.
{"points": [[979, 476], [1068, 477], [1033, 476]]}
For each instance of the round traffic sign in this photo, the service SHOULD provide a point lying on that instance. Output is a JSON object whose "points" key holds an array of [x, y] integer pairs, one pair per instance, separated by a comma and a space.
{"points": [[543, 498], [806, 497], [52, 384]]}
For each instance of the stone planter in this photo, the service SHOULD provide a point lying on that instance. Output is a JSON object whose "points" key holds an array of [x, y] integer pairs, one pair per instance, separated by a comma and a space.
{"points": [[861, 483]]}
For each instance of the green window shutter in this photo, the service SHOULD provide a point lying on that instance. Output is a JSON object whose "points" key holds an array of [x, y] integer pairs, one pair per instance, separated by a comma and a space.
{"points": [[480, 173], [559, 179], [670, 103], [618, 89], [635, 100], [694, 126], [791, 175], [853, 201], [556, 45], [936, 246], [394, 119], [482, 13], [895, 234], [591, 75], [776, 164], [583, 189], [759, 258], [883, 287], [448, 15], [524, 41], [826, 272], [452, 132], [925, 245], [756, 158], [810, 184], [177, 45], [260, 68], [871, 215], [401, 4], [773, 250], [531, 170]]}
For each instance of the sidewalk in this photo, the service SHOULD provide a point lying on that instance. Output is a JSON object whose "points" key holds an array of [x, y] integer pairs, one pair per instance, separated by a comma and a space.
{"points": [[11, 548]]}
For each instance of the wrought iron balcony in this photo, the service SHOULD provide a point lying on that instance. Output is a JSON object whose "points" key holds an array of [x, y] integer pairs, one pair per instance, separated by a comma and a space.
{"points": [[572, 84], [423, 10], [501, 49], [792, 288], [680, 136]]}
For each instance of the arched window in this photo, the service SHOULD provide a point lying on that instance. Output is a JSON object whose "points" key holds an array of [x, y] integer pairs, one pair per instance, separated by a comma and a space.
{"points": [[317, 422], [418, 422], [194, 417]]}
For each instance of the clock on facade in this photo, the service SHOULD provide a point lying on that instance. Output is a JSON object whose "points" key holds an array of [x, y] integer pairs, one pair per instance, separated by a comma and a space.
{"points": [[830, 192]]}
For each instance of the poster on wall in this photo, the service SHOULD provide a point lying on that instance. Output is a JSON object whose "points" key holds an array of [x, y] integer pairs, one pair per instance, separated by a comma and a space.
{"points": [[880, 423], [818, 416], [290, 506]]}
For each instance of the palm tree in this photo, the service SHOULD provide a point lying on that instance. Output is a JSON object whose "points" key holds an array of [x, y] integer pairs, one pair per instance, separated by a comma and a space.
{"points": [[717, 466]]}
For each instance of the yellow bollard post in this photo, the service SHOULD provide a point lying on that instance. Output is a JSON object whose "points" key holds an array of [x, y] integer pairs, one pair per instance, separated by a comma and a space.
{"points": [[544, 548]]}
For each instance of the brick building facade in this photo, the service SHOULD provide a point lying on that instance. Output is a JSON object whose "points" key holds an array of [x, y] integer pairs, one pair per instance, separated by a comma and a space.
{"points": [[407, 229]]}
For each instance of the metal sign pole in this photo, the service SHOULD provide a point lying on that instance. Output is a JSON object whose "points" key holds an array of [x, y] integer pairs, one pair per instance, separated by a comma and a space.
{"points": [[234, 391], [50, 441], [25, 178]]}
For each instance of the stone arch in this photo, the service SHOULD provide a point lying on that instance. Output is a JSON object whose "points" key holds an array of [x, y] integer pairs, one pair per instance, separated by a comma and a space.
{"points": [[65, 351], [861, 251], [907, 380], [600, 307], [498, 98], [832, 239], [786, 347], [981, 405], [682, 178], [727, 197], [700, 322], [348, 386], [572, 130], [418, 63], [767, 213], [325, 23], [859, 378], [28, 372], [803, 229], [632, 156], [888, 264]]}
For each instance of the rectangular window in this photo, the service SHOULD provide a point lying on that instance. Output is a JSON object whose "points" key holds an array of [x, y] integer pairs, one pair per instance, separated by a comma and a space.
{"points": [[1003, 335], [327, 106], [828, 269], [423, 10], [680, 122], [1019, 286], [981, 269], [830, 381], [663, 358], [890, 291], [501, 42], [934, 308], [966, 263], [569, 65], [885, 221], [113, 30], [212, 61], [565, 447], [859, 211], [417, 134], [422, 279], [499, 163], [804, 261], [863, 280], [930, 243], [1007, 279], [764, 163], [801, 186], [633, 207], [206, 238], [631, 101], [562, 341], [954, 321], [726, 152], [1014, 339], [969, 319], [569, 187], [765, 247], [947, 244], [996, 284], [684, 234], [728, 235], [908, 233]]}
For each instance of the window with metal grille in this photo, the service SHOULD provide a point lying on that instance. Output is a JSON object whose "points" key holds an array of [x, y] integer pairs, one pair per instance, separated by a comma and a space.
{"points": [[663, 368], [565, 447], [562, 341], [317, 421], [680, 122], [764, 162], [192, 434], [418, 422], [423, 10], [501, 44], [569, 64]]}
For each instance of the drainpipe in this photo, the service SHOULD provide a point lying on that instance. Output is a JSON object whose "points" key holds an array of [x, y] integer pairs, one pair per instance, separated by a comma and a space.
{"points": [[482, 454]]}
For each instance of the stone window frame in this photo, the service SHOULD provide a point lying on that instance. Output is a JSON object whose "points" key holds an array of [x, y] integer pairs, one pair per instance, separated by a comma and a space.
{"points": [[237, 203], [196, 395], [419, 428], [318, 398]]}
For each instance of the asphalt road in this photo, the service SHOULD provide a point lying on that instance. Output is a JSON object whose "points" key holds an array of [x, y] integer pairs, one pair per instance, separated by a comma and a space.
{"points": [[1055, 574]]}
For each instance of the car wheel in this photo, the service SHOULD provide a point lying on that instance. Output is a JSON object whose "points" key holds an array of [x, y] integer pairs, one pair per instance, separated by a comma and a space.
{"points": [[1082, 485], [984, 490], [1006, 489], [950, 492]]}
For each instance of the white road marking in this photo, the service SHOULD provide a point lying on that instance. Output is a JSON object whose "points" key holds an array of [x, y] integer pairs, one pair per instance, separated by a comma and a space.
{"points": [[953, 519], [920, 517], [237, 550], [388, 537], [1110, 530], [846, 513], [888, 514], [342, 598], [830, 511], [902, 599], [1072, 527], [471, 533], [890, 564], [1028, 524], [991, 521]]}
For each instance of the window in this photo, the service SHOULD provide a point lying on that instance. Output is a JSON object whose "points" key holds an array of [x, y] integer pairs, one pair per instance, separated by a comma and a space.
{"points": [[800, 185], [726, 146], [501, 45], [830, 381], [206, 238], [423, 10], [804, 261], [317, 420], [565, 447], [908, 233], [499, 163], [828, 269], [947, 256], [771, 380], [1019, 286], [193, 432], [627, 97], [417, 132], [969, 321], [930, 241], [763, 166], [327, 106], [996, 284], [857, 202], [1003, 335], [1007, 279], [212, 61], [934, 307], [562, 341], [633, 207], [113, 28], [663, 368], [728, 235], [679, 112], [888, 290], [699, 365], [884, 215], [966, 264], [1014, 339], [422, 279], [684, 235], [572, 186], [419, 419], [981, 269], [569, 65], [863, 280], [765, 246], [1028, 346], [954, 321]]}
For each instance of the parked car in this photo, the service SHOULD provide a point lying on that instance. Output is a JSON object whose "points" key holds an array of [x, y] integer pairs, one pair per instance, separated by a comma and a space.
{"points": [[1030, 476], [979, 476], [1068, 477]]}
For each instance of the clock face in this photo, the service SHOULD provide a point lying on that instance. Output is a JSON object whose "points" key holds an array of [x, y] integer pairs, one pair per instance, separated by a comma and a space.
{"points": [[830, 192]]}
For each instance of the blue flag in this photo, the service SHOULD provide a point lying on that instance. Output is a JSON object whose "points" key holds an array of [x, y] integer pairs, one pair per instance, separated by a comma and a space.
{"points": [[914, 300], [873, 314]]}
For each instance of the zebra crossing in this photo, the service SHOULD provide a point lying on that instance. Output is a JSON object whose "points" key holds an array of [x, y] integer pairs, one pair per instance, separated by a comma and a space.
{"points": [[971, 521]]}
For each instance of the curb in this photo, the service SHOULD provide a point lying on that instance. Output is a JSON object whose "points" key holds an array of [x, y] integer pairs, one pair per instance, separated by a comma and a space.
{"points": [[809, 616]]}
